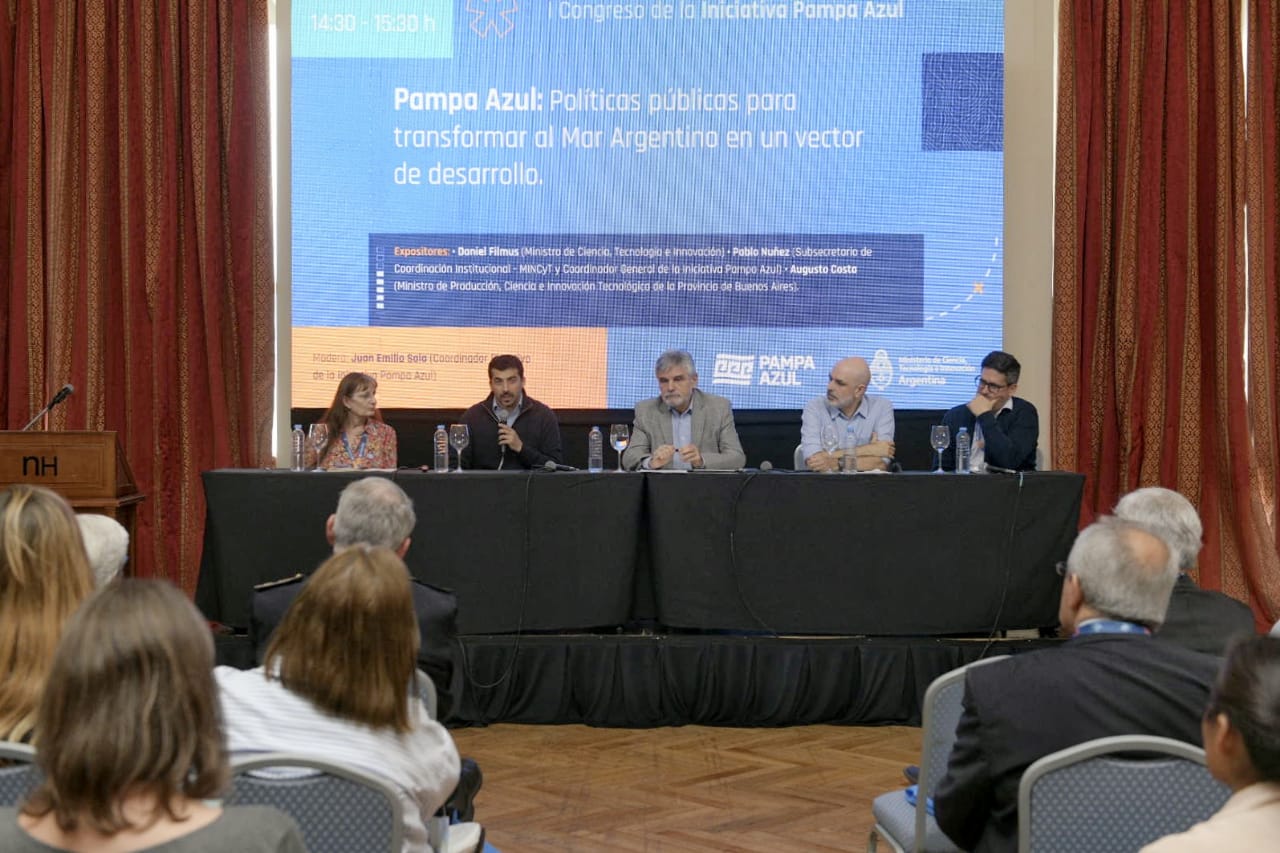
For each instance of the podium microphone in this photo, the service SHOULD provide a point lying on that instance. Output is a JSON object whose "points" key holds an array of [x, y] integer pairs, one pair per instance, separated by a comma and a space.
{"points": [[63, 393]]}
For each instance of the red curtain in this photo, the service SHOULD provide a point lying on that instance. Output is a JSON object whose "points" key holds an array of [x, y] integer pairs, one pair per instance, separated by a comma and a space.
{"points": [[1262, 196], [135, 163], [1151, 295]]}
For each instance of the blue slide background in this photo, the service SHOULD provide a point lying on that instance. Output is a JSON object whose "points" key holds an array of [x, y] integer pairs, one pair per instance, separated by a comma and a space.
{"points": [[925, 88]]}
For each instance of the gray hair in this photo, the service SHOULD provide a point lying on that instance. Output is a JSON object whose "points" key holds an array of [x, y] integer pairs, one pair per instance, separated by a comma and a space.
{"points": [[675, 358], [106, 543], [1170, 516], [1126, 571], [373, 511]]}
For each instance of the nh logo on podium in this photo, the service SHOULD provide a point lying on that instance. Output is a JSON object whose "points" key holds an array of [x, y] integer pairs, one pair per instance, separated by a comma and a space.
{"points": [[39, 466]]}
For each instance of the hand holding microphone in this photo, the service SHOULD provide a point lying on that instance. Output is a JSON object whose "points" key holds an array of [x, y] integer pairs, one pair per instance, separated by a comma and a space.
{"points": [[509, 438]]}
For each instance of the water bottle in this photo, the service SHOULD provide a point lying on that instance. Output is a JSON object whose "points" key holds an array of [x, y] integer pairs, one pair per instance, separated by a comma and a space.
{"points": [[595, 451], [441, 443], [962, 451], [848, 461], [299, 447]]}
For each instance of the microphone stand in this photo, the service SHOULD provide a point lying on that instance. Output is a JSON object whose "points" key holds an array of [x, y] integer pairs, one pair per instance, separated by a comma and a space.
{"points": [[62, 394]]}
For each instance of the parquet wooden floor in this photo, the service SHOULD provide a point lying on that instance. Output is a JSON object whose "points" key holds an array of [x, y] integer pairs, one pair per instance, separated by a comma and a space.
{"points": [[684, 790]]}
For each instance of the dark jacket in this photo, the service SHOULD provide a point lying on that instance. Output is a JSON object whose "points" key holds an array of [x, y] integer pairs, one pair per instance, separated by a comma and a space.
{"points": [[538, 429], [1204, 620], [439, 654], [1022, 709]]}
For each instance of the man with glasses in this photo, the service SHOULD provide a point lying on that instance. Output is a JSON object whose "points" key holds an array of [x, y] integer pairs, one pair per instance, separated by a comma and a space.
{"points": [[1004, 429], [1110, 678]]}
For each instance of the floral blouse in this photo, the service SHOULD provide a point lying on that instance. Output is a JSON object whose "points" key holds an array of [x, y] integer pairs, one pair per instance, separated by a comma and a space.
{"points": [[376, 448]]}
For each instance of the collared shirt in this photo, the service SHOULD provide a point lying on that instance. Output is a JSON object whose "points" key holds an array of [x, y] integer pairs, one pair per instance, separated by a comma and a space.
{"points": [[873, 415], [977, 453], [681, 434], [511, 414]]}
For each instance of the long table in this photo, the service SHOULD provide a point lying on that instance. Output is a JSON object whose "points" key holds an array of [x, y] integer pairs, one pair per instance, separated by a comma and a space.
{"points": [[777, 552], [891, 554], [523, 552]]}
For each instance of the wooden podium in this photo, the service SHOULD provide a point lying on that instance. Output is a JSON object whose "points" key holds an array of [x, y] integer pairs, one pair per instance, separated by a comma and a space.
{"points": [[86, 468]]}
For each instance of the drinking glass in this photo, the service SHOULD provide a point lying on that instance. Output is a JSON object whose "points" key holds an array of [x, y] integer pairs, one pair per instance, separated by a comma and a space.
{"points": [[317, 435], [830, 441], [619, 437], [459, 438], [940, 440]]}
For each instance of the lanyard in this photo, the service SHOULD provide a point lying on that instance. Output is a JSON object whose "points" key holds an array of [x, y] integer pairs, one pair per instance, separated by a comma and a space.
{"points": [[1111, 626], [364, 440]]}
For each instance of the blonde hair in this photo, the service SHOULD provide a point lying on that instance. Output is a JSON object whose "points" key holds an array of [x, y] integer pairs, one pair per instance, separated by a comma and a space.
{"points": [[130, 706], [349, 641], [44, 576]]}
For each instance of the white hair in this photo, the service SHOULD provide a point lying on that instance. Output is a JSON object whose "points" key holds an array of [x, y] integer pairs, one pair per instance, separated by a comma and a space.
{"points": [[373, 511], [1120, 575], [1170, 516], [106, 543]]}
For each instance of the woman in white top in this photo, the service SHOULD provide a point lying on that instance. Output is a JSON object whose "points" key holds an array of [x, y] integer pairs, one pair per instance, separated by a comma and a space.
{"points": [[130, 743], [1242, 748], [336, 684]]}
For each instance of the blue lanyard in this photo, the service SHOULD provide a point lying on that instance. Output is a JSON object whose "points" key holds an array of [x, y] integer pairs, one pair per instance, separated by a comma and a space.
{"points": [[1111, 626], [364, 440]]}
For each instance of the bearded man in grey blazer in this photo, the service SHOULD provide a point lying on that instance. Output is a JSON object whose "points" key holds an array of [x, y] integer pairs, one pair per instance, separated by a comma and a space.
{"points": [[683, 427]]}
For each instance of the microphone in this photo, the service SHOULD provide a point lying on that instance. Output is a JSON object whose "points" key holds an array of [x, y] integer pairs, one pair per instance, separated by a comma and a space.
{"points": [[63, 393], [553, 465], [997, 469], [500, 417]]}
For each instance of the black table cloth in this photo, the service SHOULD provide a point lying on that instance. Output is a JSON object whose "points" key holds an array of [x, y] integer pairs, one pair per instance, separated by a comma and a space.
{"points": [[786, 553]]}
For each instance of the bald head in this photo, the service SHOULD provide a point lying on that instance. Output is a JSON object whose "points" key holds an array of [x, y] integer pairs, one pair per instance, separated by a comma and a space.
{"points": [[1124, 571], [847, 384]]}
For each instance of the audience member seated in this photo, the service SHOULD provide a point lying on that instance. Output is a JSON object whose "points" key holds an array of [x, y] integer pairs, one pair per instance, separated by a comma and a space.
{"points": [[1111, 678], [44, 575], [375, 511], [106, 543], [354, 436], [1242, 748], [337, 684], [130, 745], [1199, 619]]}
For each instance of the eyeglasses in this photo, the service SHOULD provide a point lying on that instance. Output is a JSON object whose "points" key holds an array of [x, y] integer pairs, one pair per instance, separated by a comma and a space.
{"points": [[990, 386]]}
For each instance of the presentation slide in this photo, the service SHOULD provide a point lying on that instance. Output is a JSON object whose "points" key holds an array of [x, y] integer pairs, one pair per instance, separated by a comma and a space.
{"points": [[769, 185]]}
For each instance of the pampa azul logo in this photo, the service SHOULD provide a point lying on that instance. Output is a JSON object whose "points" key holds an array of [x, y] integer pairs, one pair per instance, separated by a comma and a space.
{"points": [[732, 369]]}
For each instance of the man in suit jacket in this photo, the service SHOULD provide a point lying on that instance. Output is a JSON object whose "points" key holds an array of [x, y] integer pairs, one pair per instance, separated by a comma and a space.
{"points": [[375, 511], [683, 427], [1003, 428], [1200, 619], [1111, 678]]}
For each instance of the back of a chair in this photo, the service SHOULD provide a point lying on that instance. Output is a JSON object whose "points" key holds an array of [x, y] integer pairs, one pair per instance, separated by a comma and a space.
{"points": [[338, 808], [943, 704], [425, 690], [1115, 793], [19, 774], [797, 458]]}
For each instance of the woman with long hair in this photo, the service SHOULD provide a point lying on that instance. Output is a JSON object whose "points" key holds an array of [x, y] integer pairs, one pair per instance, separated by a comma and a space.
{"points": [[337, 684], [1241, 729], [44, 575], [355, 435], [130, 738]]}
